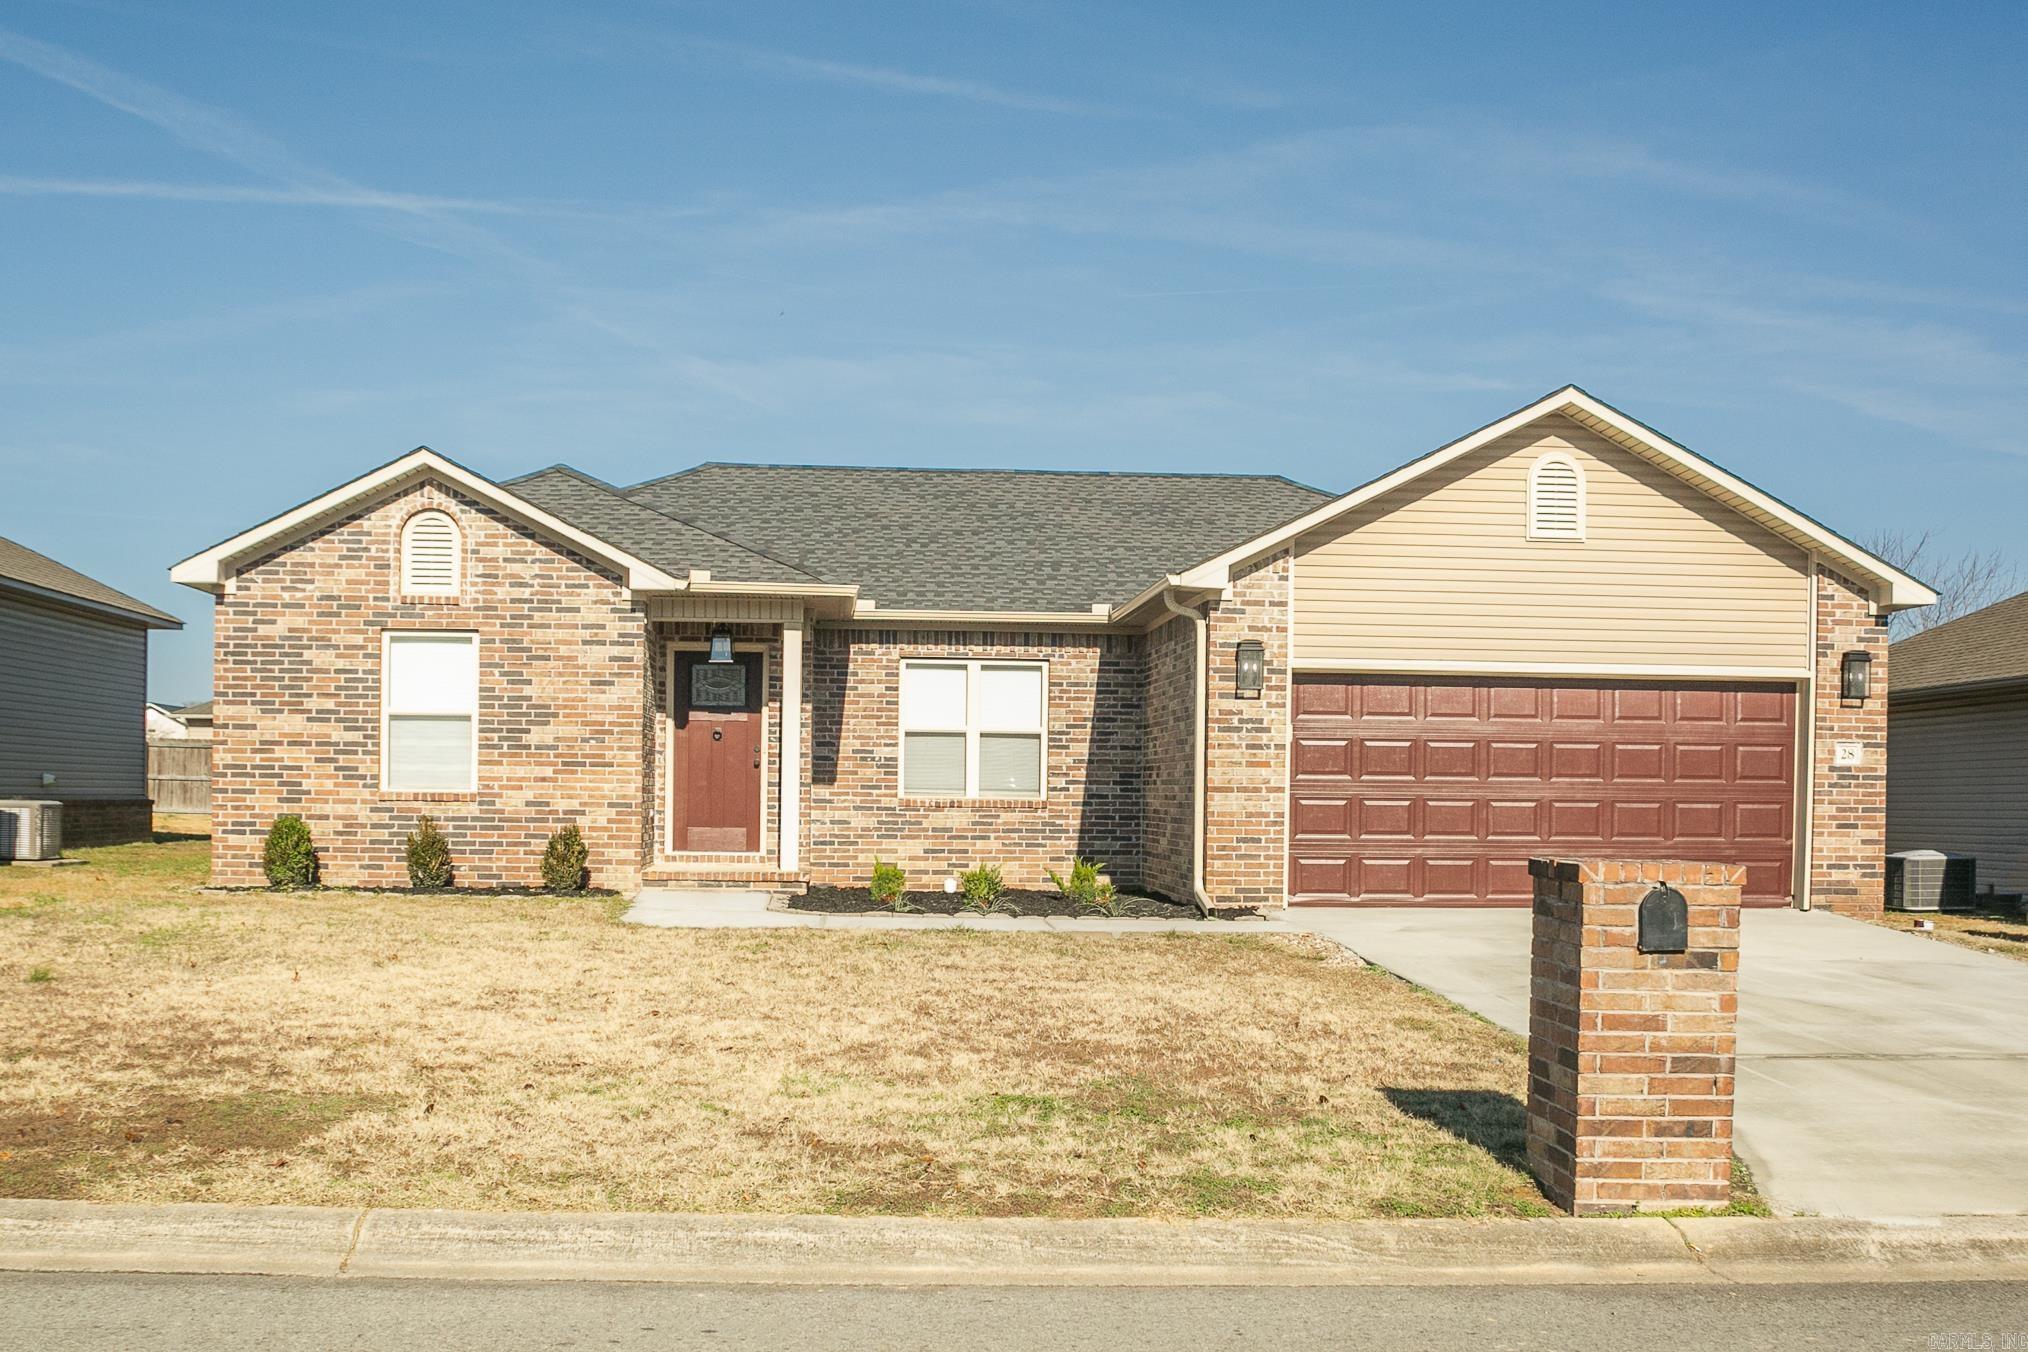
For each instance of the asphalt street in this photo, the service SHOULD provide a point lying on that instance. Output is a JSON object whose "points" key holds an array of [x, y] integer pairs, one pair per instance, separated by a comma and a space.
{"points": [[63, 1311]]}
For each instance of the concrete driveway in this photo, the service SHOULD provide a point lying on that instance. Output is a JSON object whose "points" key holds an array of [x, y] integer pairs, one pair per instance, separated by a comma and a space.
{"points": [[1880, 1074]]}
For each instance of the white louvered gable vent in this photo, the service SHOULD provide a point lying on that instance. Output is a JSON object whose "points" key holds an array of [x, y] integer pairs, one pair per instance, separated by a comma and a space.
{"points": [[429, 555], [1555, 499]]}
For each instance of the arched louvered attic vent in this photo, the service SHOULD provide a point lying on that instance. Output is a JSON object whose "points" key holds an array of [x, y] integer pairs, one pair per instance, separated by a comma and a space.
{"points": [[429, 555], [1556, 499]]}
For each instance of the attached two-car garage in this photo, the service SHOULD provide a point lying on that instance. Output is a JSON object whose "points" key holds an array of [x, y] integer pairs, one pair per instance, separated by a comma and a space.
{"points": [[1417, 789]]}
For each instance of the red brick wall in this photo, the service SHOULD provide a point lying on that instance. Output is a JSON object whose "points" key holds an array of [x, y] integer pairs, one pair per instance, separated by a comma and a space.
{"points": [[1247, 775], [1169, 742], [564, 707], [106, 821], [1848, 804], [853, 810], [1630, 1054]]}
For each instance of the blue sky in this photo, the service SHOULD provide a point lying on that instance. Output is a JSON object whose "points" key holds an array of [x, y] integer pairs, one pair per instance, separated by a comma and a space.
{"points": [[251, 249]]}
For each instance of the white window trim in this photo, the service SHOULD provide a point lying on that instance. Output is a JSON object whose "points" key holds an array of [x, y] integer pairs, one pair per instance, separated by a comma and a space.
{"points": [[1534, 479], [408, 526], [971, 730], [387, 641]]}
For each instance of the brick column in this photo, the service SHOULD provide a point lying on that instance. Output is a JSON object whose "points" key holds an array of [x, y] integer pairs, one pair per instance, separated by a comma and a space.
{"points": [[1848, 836], [1630, 1054], [1246, 773]]}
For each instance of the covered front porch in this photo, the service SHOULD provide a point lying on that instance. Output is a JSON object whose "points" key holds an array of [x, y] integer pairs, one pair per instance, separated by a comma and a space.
{"points": [[727, 743]]}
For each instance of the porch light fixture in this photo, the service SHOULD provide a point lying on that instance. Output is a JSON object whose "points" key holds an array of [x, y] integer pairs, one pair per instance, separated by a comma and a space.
{"points": [[721, 647], [1249, 668], [1855, 676]]}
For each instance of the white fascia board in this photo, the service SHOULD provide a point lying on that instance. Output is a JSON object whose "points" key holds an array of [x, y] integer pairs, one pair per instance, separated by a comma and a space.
{"points": [[1900, 591], [211, 569]]}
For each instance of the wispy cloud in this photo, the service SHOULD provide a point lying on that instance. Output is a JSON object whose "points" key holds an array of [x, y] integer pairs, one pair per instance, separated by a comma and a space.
{"points": [[361, 197], [219, 134], [888, 80]]}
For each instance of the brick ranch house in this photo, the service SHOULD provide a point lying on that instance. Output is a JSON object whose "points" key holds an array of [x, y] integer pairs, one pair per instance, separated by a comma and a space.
{"points": [[1562, 634]]}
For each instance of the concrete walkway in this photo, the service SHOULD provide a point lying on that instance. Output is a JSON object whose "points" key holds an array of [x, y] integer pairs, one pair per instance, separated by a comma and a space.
{"points": [[1880, 1074], [674, 908]]}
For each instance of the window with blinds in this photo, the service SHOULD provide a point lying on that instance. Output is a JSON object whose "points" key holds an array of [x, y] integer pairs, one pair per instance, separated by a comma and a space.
{"points": [[1555, 499], [972, 729], [429, 713], [429, 555]]}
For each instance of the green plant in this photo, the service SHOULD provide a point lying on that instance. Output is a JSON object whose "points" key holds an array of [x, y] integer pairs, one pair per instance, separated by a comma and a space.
{"points": [[889, 887], [563, 861], [981, 887], [290, 857], [429, 856], [38, 975], [1086, 888], [1083, 884]]}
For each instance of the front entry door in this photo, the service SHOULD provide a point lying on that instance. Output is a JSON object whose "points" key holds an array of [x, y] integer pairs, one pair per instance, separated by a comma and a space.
{"points": [[715, 787]]}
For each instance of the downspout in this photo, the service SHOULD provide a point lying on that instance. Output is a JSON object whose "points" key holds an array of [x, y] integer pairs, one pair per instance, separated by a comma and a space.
{"points": [[1201, 681]]}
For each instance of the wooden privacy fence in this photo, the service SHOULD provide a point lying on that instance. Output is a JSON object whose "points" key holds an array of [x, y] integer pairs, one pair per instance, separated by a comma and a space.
{"points": [[179, 775]]}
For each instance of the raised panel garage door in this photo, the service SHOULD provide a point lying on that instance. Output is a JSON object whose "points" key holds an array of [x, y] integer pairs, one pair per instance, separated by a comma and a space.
{"points": [[1407, 789]]}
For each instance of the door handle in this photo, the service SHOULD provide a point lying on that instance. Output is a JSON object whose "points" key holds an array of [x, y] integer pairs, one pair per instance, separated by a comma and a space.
{"points": [[756, 758]]}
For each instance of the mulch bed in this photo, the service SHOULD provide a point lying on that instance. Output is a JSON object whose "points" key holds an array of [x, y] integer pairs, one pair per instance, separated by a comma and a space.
{"points": [[1014, 901]]}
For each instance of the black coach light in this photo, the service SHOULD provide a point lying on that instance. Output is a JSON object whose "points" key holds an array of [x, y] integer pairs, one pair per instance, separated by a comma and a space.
{"points": [[1855, 676], [1249, 668], [721, 647]]}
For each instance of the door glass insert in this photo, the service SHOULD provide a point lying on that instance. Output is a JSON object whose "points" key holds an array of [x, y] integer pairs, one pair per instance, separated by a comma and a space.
{"points": [[718, 687]]}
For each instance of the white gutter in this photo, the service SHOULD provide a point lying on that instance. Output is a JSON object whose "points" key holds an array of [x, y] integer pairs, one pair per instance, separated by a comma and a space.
{"points": [[1201, 680]]}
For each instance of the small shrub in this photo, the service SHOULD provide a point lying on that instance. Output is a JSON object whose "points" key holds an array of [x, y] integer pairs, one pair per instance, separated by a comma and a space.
{"points": [[563, 861], [290, 857], [889, 887], [1106, 901], [1083, 884], [981, 887], [429, 856]]}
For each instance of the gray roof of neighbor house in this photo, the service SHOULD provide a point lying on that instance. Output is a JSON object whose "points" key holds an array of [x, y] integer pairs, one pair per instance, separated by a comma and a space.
{"points": [[201, 709], [1986, 647], [26, 570], [929, 539]]}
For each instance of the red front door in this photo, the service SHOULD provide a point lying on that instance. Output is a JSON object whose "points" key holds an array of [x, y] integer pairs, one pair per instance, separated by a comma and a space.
{"points": [[715, 756]]}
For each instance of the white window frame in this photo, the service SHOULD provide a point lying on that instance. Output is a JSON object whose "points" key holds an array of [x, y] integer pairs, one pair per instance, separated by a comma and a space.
{"points": [[457, 554], [1534, 482], [972, 666], [388, 638]]}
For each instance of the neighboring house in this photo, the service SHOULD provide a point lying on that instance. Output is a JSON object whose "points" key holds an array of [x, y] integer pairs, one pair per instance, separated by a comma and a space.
{"points": [[73, 682], [1957, 742], [185, 722], [1563, 633]]}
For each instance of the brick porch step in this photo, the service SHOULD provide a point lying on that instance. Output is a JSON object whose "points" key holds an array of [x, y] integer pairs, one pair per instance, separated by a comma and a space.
{"points": [[728, 876]]}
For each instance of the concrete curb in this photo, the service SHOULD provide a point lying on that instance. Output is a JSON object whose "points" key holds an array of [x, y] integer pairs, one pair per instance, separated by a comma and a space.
{"points": [[871, 1251]]}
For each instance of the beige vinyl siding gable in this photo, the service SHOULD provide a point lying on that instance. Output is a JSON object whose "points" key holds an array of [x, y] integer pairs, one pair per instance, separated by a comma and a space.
{"points": [[1957, 779], [1442, 571]]}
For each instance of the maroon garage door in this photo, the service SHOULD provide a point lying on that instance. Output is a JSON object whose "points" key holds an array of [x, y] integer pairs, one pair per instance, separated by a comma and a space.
{"points": [[1406, 789]]}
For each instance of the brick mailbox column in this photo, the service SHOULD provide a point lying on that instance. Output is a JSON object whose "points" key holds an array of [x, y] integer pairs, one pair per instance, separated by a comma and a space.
{"points": [[1630, 1054]]}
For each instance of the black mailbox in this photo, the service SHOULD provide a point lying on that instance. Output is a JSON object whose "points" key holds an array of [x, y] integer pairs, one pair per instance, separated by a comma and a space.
{"points": [[1665, 921]]}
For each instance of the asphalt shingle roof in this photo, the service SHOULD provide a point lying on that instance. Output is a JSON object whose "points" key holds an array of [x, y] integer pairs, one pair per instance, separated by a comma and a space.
{"points": [[19, 563], [1981, 648], [1005, 540], [671, 544]]}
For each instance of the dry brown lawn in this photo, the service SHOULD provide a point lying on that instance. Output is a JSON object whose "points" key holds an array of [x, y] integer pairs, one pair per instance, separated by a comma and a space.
{"points": [[158, 1044], [2006, 935]]}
